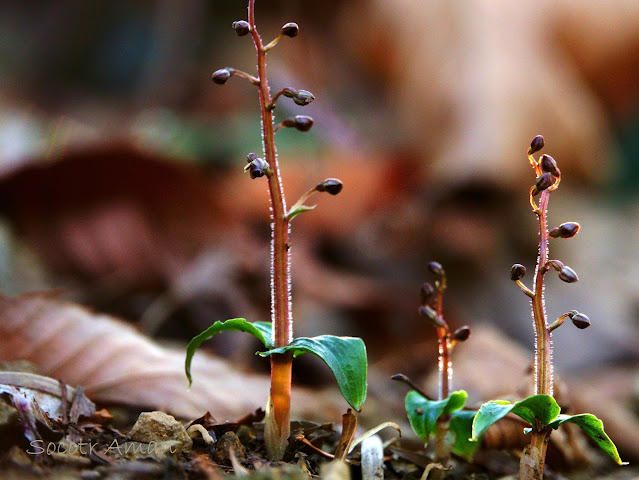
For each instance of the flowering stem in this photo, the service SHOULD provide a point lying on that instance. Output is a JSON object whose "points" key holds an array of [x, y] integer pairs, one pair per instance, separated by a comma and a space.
{"points": [[442, 442], [277, 424], [533, 457]]}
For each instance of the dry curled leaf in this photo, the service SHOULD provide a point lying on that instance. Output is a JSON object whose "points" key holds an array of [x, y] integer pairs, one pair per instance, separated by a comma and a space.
{"points": [[116, 364]]}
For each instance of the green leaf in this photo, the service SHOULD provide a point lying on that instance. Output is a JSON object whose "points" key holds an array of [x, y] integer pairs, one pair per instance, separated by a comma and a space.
{"points": [[541, 407], [261, 330], [593, 427], [423, 413], [461, 424], [294, 212], [345, 356]]}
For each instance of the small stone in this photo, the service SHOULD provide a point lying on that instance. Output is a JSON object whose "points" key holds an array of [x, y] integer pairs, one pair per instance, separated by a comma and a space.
{"points": [[226, 442], [159, 427]]}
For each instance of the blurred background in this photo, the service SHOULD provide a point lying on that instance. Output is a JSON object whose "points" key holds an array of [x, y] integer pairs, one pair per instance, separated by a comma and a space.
{"points": [[121, 167]]}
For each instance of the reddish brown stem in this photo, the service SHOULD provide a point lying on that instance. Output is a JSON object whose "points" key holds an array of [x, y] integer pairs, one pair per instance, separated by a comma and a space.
{"points": [[533, 457], [442, 442], [277, 428]]}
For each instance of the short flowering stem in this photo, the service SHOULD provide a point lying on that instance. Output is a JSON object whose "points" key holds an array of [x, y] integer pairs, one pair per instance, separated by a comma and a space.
{"points": [[247, 76], [558, 323], [273, 42], [525, 289], [284, 91], [277, 424]]}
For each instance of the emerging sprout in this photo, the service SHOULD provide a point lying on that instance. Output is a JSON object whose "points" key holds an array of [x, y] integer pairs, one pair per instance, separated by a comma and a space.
{"points": [[565, 230], [568, 275], [462, 333], [290, 29], [222, 75], [241, 27], [536, 144], [331, 186]]}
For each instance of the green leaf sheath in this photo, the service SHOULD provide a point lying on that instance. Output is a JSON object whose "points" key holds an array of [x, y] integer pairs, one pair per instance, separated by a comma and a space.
{"points": [[261, 330], [345, 356], [541, 407], [461, 424], [423, 413], [593, 427]]}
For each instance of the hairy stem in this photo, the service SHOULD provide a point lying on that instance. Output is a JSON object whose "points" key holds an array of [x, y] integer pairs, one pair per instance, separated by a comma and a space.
{"points": [[543, 354], [533, 458], [277, 427], [442, 440]]}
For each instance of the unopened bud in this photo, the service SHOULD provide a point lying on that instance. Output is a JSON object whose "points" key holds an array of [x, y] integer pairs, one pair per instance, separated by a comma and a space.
{"points": [[290, 29], [241, 27], [303, 123], [517, 272], [303, 97], [222, 75], [436, 269], [580, 320], [549, 165], [257, 167], [431, 315], [544, 181], [331, 186], [536, 144], [568, 275], [426, 293], [462, 333], [565, 230]]}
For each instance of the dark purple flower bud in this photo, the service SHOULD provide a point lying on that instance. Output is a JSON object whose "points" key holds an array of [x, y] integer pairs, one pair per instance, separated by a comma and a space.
{"points": [[426, 293], [568, 275], [431, 315], [549, 165], [257, 167], [331, 186], [303, 123], [565, 230], [536, 144], [544, 181], [241, 27], [222, 75], [290, 29], [580, 320], [517, 272], [436, 269], [462, 333], [303, 97]]}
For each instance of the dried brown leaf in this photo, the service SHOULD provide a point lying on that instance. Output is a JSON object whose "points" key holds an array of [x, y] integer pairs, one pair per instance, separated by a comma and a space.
{"points": [[117, 364]]}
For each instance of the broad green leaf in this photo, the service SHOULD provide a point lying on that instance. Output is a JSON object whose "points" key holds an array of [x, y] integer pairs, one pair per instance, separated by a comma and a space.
{"points": [[261, 330], [423, 413], [541, 407], [345, 356], [461, 424], [593, 427]]}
